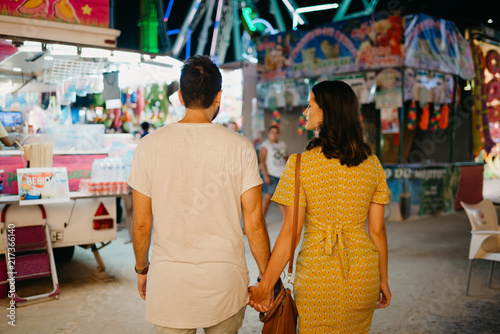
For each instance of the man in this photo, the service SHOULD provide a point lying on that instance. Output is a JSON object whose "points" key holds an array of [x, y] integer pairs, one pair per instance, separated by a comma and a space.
{"points": [[195, 179], [272, 155]]}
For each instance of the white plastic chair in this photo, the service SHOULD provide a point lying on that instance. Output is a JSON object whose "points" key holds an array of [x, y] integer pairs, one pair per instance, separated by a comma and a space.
{"points": [[485, 240]]}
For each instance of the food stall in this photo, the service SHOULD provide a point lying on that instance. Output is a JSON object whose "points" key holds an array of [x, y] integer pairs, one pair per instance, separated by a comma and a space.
{"points": [[83, 106], [406, 72]]}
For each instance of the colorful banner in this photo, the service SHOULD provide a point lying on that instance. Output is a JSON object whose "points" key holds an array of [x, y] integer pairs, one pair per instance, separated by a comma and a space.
{"points": [[78, 167], [436, 44], [85, 12], [348, 46], [43, 185], [366, 43]]}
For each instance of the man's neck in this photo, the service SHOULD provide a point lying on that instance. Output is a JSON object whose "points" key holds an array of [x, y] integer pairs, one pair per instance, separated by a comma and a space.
{"points": [[274, 142], [195, 116]]}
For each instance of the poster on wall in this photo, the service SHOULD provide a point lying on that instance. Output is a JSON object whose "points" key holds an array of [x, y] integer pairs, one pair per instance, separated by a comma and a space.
{"points": [[491, 54], [43, 185], [388, 93], [436, 44], [89, 12], [431, 188], [389, 120], [354, 45], [428, 86], [363, 84], [286, 96]]}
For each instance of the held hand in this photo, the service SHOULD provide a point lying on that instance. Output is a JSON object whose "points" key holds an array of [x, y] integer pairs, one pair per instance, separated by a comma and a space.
{"points": [[141, 285], [385, 296], [259, 300], [267, 179]]}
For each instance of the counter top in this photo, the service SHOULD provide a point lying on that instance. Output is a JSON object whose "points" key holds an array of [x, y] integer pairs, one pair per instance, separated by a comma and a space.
{"points": [[9, 199], [18, 152]]}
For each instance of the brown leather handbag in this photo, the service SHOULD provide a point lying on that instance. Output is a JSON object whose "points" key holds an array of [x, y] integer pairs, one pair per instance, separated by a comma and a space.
{"points": [[281, 318]]}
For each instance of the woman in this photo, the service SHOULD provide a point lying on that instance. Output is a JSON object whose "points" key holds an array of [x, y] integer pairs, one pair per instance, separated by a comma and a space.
{"points": [[341, 272]]}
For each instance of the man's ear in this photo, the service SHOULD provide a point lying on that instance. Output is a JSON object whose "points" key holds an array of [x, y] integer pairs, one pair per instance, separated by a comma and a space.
{"points": [[218, 99], [180, 97]]}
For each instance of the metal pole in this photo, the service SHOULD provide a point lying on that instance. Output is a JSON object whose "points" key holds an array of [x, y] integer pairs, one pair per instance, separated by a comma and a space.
{"points": [[216, 27], [275, 10], [203, 38], [236, 32], [452, 118], [181, 37], [401, 116]]}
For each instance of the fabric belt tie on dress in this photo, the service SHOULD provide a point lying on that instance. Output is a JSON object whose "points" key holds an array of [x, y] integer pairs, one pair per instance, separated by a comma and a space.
{"points": [[335, 235]]}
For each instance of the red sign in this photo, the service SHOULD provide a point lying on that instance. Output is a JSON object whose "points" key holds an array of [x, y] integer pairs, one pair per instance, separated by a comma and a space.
{"points": [[91, 12], [78, 166]]}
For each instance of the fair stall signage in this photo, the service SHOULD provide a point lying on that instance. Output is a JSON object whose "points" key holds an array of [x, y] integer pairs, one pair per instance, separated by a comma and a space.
{"points": [[87, 12], [43, 185]]}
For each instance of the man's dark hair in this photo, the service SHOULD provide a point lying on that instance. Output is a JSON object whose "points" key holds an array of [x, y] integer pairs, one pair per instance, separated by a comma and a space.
{"points": [[145, 126], [273, 127], [200, 82]]}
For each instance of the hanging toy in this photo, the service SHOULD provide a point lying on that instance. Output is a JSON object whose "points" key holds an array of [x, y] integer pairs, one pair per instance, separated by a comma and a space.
{"points": [[435, 118], [276, 119], [445, 115], [302, 124], [412, 116], [424, 119]]}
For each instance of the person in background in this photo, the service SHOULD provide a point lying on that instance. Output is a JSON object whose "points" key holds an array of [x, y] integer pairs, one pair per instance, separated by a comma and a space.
{"points": [[145, 129], [4, 135], [231, 125], [341, 273], [195, 180], [273, 154]]}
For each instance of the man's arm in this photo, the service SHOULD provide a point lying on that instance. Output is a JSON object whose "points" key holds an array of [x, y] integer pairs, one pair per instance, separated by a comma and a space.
{"points": [[141, 236], [262, 161], [255, 227]]}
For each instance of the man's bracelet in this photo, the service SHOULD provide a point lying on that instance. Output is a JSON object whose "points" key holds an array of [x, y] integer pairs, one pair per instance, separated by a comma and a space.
{"points": [[142, 271]]}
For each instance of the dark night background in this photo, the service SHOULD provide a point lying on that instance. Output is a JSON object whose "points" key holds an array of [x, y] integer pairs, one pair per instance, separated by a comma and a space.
{"points": [[463, 12]]}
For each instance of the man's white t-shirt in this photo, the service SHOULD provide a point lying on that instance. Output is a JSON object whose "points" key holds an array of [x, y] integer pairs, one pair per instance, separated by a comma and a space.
{"points": [[276, 157], [195, 174]]}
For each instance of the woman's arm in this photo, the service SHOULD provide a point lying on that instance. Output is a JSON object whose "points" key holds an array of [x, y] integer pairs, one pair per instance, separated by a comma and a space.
{"points": [[261, 296], [376, 228]]}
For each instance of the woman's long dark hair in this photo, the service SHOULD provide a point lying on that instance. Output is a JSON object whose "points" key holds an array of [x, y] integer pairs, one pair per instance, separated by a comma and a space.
{"points": [[340, 134]]}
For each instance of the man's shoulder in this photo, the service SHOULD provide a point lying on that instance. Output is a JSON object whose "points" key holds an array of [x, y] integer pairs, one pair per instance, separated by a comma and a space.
{"points": [[232, 136]]}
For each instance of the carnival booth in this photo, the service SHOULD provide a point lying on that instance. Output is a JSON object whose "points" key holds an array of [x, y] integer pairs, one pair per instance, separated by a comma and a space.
{"points": [[76, 117], [405, 72]]}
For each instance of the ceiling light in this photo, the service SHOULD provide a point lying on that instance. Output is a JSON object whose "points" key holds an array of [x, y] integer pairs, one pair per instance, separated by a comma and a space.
{"points": [[17, 69], [317, 8], [95, 53], [30, 47], [490, 21], [63, 50]]}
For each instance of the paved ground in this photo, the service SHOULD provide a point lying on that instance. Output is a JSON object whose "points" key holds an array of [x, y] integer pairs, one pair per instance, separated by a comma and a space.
{"points": [[428, 263]]}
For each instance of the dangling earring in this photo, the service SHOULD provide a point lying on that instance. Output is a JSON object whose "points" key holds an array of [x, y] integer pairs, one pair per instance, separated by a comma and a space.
{"points": [[317, 126]]}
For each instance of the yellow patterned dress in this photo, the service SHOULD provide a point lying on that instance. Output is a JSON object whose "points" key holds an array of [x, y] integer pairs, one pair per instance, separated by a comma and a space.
{"points": [[337, 280]]}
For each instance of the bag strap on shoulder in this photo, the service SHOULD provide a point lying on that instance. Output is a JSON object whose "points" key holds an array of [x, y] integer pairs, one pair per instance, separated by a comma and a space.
{"points": [[296, 201]]}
